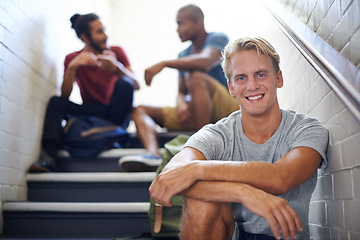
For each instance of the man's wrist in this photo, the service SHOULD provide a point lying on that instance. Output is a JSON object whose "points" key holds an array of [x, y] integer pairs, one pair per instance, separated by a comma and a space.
{"points": [[198, 170]]}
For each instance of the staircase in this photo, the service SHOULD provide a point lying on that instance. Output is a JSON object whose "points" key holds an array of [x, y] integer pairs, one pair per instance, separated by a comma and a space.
{"points": [[87, 198]]}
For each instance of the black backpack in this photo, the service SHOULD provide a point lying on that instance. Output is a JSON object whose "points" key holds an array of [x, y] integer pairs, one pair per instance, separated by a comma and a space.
{"points": [[87, 136]]}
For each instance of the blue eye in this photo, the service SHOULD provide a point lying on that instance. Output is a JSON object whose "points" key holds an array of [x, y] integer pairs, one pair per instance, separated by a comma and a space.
{"points": [[242, 78], [261, 75]]}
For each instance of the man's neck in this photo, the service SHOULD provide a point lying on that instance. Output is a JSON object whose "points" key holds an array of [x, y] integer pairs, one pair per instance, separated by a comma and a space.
{"points": [[259, 129], [199, 41]]}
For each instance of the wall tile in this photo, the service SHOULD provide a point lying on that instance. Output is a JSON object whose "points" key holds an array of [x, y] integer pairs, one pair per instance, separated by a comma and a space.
{"points": [[343, 185], [356, 180], [344, 235], [331, 19], [351, 214], [334, 159], [317, 213], [354, 48], [334, 234], [344, 5], [335, 214], [319, 232], [354, 235], [351, 154]]}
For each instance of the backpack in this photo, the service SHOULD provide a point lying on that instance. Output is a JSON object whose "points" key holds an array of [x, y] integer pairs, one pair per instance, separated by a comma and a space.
{"points": [[165, 221], [87, 136]]}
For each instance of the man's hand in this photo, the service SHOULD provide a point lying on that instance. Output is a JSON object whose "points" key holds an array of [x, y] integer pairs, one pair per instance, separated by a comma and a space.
{"points": [[172, 181], [184, 114], [276, 211], [84, 59], [108, 61], [150, 72]]}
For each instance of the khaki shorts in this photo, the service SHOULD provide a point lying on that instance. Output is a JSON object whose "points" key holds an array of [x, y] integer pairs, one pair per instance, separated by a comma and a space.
{"points": [[223, 105]]}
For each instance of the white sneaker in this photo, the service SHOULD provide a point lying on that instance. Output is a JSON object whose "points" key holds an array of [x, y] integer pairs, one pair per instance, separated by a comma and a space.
{"points": [[146, 162]]}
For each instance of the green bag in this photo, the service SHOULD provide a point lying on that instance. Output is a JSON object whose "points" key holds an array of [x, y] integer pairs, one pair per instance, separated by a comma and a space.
{"points": [[165, 221]]}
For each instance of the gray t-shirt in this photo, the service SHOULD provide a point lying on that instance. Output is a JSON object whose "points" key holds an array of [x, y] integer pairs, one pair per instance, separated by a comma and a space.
{"points": [[226, 141], [215, 40]]}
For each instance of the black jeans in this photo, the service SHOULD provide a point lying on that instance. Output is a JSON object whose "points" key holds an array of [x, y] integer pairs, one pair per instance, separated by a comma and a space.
{"points": [[118, 112]]}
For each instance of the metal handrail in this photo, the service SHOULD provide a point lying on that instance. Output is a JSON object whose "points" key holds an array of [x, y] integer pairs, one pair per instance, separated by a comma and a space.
{"points": [[339, 73]]}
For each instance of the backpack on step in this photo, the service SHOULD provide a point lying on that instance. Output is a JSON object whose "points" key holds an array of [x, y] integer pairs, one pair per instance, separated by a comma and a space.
{"points": [[87, 136], [165, 221]]}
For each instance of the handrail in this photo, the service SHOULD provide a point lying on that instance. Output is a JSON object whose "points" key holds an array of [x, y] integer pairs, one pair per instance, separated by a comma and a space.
{"points": [[339, 73]]}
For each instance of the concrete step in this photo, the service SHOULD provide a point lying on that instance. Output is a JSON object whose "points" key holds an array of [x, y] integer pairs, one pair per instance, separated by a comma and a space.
{"points": [[74, 220], [107, 161], [89, 187]]}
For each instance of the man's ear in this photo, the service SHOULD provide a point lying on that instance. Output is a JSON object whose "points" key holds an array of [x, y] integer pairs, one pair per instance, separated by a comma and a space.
{"points": [[84, 38], [279, 80], [231, 88]]}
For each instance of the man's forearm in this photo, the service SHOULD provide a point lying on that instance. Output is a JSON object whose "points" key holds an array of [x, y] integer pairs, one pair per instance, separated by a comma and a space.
{"points": [[215, 191], [190, 63], [262, 175], [67, 85]]}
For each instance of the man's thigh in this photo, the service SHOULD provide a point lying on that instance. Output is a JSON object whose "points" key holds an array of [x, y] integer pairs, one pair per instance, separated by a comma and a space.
{"points": [[223, 103], [171, 120]]}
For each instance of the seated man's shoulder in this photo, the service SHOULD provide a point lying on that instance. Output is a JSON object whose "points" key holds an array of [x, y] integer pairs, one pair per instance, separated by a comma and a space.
{"points": [[72, 55], [300, 120]]}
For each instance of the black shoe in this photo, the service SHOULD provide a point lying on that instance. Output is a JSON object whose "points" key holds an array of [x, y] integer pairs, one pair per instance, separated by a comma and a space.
{"points": [[39, 167], [46, 164]]}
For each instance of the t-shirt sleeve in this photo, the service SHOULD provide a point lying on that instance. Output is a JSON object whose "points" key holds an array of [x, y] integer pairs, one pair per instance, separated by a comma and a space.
{"points": [[121, 55], [68, 59], [208, 141], [311, 133], [217, 41]]}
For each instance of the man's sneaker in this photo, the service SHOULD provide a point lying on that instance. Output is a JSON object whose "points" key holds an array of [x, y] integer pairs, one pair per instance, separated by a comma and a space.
{"points": [[140, 163], [41, 167], [45, 164]]}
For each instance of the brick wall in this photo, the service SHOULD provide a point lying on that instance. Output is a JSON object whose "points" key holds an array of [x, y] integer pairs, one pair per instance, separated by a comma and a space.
{"points": [[335, 21], [34, 38], [335, 206]]}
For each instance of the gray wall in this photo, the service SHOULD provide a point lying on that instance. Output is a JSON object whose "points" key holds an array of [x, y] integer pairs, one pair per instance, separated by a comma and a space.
{"points": [[335, 207]]}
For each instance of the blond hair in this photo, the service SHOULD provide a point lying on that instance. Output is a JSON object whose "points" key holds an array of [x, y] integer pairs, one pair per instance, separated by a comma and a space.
{"points": [[259, 44]]}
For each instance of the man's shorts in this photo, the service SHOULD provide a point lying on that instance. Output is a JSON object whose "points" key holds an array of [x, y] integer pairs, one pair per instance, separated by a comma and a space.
{"points": [[223, 104]]}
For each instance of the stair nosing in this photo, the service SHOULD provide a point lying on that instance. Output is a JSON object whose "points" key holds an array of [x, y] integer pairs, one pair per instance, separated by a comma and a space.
{"points": [[92, 177], [112, 153], [81, 207]]}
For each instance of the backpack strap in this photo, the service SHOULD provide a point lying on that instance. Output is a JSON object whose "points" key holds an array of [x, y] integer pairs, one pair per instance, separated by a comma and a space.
{"points": [[95, 130]]}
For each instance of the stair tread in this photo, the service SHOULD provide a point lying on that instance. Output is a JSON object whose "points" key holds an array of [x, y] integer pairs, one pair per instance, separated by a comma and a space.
{"points": [[124, 207], [115, 152], [92, 177]]}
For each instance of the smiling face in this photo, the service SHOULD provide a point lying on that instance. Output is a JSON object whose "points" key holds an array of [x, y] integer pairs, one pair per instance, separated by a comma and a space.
{"points": [[254, 83]]}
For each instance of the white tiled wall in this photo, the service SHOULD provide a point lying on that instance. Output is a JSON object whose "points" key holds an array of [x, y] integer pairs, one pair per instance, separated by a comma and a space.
{"points": [[34, 38], [335, 206], [335, 21]]}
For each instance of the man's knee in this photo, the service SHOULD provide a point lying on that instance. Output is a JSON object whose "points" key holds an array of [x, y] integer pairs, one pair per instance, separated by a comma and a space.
{"points": [[201, 209], [201, 81], [196, 79], [207, 216], [57, 101], [141, 112], [125, 86]]}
